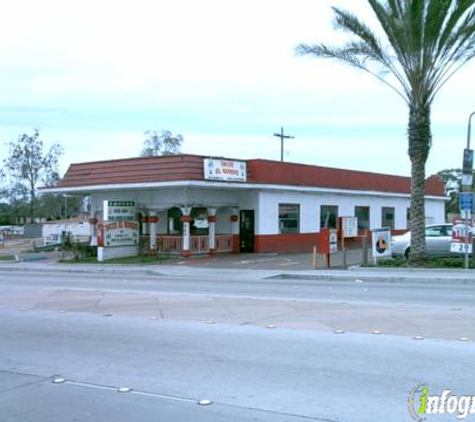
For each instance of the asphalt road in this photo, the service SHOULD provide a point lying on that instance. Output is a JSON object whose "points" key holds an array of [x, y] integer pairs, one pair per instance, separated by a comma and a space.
{"points": [[53, 324]]}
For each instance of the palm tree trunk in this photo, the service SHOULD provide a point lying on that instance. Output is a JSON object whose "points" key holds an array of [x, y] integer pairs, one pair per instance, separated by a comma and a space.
{"points": [[420, 140]]}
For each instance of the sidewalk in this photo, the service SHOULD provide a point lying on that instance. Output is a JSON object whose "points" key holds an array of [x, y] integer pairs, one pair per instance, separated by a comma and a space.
{"points": [[239, 269]]}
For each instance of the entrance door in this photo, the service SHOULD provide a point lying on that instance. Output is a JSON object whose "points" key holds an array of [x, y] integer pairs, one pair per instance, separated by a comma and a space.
{"points": [[246, 233]]}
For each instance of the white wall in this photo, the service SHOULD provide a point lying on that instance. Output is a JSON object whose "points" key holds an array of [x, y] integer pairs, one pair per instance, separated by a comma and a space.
{"points": [[266, 205], [76, 229], [224, 225], [435, 211], [310, 204]]}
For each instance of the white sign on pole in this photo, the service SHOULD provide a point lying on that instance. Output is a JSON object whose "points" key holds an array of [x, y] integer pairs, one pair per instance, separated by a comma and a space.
{"points": [[225, 170], [381, 243], [459, 234], [349, 226]]}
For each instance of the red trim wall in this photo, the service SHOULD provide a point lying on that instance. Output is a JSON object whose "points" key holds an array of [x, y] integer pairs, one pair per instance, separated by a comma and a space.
{"points": [[288, 243], [285, 242]]}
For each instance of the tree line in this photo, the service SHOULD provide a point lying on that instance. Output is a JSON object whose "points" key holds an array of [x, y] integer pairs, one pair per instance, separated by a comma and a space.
{"points": [[31, 165]]}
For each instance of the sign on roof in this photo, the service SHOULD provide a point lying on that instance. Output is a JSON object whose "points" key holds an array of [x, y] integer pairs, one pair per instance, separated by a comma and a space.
{"points": [[225, 170]]}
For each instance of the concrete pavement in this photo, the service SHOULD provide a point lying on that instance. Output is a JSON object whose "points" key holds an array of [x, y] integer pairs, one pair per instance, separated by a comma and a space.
{"points": [[235, 266], [430, 310], [261, 346], [248, 372]]}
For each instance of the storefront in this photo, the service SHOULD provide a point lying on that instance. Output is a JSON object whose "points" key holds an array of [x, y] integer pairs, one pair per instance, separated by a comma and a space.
{"points": [[192, 204]]}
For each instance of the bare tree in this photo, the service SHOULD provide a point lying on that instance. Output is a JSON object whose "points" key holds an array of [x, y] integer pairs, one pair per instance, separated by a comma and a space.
{"points": [[161, 143]]}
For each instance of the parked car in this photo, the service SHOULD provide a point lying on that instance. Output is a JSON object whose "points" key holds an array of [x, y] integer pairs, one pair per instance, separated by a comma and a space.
{"points": [[438, 240]]}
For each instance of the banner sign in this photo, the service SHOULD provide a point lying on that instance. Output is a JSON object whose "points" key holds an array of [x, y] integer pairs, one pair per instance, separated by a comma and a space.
{"points": [[381, 243], [119, 210], [118, 233], [459, 232], [225, 170]]}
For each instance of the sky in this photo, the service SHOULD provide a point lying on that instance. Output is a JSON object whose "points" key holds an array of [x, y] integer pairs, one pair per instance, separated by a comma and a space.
{"points": [[95, 75]]}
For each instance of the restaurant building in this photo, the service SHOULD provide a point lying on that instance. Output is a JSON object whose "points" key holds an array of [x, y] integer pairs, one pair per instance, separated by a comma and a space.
{"points": [[194, 204]]}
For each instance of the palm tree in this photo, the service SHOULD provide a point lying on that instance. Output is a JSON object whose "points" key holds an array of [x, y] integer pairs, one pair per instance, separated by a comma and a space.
{"points": [[426, 42]]}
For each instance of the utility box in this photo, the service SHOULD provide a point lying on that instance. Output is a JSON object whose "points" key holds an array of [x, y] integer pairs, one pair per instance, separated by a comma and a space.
{"points": [[328, 241]]}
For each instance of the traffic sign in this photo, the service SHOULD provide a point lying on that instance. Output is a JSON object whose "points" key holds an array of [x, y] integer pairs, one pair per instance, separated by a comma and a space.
{"points": [[466, 201], [461, 236], [467, 161]]}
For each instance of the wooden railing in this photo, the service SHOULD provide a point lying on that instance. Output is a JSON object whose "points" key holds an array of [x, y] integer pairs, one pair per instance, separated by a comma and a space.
{"points": [[198, 244], [224, 242], [170, 244]]}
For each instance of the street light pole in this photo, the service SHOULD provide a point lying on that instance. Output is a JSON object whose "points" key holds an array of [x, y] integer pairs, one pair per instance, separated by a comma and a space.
{"points": [[282, 137], [469, 130]]}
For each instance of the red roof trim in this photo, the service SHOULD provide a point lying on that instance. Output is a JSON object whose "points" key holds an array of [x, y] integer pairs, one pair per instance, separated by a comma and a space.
{"points": [[190, 167]]}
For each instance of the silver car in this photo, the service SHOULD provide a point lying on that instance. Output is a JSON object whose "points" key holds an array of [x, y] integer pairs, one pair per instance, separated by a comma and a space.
{"points": [[438, 240]]}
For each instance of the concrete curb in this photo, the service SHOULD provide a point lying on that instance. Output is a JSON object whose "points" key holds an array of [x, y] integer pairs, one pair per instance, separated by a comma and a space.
{"points": [[379, 278], [355, 274]]}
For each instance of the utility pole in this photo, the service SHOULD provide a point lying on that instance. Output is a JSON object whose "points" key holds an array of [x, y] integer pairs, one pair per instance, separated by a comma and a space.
{"points": [[282, 137]]}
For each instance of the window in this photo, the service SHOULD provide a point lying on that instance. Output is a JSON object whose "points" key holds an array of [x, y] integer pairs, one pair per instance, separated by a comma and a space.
{"points": [[289, 218], [328, 216], [199, 222], [438, 231], [362, 213], [175, 226], [387, 217]]}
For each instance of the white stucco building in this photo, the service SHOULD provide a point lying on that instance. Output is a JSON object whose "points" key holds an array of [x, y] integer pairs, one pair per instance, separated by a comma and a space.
{"points": [[193, 204]]}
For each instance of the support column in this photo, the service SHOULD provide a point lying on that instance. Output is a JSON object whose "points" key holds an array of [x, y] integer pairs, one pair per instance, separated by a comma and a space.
{"points": [[152, 222], [186, 220], [93, 223], [212, 229], [144, 220], [235, 229]]}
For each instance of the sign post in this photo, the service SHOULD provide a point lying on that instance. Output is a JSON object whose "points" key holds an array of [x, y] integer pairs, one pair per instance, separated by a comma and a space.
{"points": [[349, 228], [328, 244], [118, 234], [462, 236], [381, 242]]}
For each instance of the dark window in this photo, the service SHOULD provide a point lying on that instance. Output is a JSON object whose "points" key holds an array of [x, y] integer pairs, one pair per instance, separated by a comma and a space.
{"points": [[175, 226], [289, 218], [328, 216], [362, 213], [387, 217], [199, 222]]}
